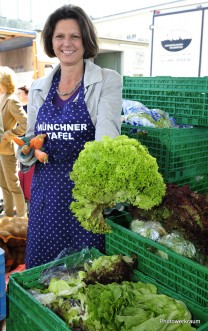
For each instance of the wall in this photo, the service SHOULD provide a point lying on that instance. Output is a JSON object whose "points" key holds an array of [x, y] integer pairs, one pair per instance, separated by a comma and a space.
{"points": [[20, 59], [179, 47], [128, 26], [134, 55]]}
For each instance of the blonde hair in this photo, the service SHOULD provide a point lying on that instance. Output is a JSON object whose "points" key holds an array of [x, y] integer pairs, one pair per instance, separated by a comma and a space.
{"points": [[8, 79]]}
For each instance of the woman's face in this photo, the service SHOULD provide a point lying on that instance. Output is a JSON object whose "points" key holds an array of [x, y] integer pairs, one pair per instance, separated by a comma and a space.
{"points": [[21, 95], [67, 42]]}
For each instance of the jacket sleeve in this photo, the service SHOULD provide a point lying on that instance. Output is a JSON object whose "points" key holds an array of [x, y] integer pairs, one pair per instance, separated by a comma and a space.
{"points": [[18, 112], [108, 121], [33, 106], [1, 127]]}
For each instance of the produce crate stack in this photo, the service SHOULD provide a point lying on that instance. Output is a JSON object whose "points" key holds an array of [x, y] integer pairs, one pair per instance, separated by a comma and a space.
{"points": [[26, 313], [185, 278], [181, 153], [177, 272]]}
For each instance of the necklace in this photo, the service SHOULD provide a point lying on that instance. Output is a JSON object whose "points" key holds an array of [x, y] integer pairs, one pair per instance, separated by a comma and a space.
{"points": [[71, 91]]}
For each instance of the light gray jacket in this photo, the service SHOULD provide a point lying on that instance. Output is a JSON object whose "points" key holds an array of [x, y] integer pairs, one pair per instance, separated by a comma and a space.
{"points": [[103, 97]]}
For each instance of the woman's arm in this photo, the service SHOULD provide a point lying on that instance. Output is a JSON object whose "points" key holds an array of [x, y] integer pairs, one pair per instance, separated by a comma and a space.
{"points": [[32, 110], [20, 116]]}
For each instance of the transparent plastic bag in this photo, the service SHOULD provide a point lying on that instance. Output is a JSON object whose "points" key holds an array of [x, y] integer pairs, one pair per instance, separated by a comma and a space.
{"points": [[178, 244], [135, 113], [149, 229], [63, 270]]}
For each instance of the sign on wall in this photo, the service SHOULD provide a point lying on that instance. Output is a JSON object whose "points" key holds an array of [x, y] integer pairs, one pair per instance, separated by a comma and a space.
{"points": [[204, 57], [177, 44]]}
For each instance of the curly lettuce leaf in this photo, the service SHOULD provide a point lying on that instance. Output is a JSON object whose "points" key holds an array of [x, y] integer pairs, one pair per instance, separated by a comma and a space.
{"points": [[113, 171], [133, 307]]}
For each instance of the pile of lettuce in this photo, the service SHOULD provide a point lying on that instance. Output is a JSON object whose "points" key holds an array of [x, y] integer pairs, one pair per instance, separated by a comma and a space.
{"points": [[182, 210], [112, 171], [124, 306]]}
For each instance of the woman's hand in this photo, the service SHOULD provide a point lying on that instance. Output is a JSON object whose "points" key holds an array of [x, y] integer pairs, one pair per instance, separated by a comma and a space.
{"points": [[6, 136]]}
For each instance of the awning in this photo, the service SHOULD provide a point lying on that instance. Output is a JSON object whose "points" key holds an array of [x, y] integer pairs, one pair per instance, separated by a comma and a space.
{"points": [[14, 38]]}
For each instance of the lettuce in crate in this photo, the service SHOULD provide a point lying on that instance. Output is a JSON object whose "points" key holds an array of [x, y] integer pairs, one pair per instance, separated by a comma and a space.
{"points": [[112, 171]]}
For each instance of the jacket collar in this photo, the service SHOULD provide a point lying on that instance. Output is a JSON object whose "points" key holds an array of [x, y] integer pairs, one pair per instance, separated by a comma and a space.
{"points": [[93, 74], [6, 97]]}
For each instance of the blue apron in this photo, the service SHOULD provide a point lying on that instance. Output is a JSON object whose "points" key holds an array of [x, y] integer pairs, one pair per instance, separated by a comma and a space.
{"points": [[52, 226]]}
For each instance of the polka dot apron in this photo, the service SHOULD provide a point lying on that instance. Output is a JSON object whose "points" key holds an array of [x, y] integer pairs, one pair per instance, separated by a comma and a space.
{"points": [[52, 226]]}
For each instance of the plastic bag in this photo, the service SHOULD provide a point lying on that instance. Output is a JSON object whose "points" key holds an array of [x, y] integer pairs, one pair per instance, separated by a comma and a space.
{"points": [[135, 113], [178, 244], [148, 229], [116, 210], [63, 270], [13, 231], [13, 227]]}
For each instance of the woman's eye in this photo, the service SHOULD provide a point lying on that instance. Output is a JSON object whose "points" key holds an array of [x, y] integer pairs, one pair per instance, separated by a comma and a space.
{"points": [[76, 37], [59, 36]]}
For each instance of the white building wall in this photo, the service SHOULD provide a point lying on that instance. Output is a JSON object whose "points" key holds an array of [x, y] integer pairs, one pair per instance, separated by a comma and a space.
{"points": [[131, 26], [35, 11], [134, 55]]}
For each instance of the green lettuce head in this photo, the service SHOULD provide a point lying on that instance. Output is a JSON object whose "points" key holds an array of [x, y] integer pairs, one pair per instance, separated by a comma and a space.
{"points": [[111, 171]]}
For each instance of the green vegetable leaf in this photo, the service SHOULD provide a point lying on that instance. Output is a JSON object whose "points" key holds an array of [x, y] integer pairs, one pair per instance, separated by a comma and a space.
{"points": [[113, 171]]}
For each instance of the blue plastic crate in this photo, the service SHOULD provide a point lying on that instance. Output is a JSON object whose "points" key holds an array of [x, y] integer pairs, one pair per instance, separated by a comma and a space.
{"points": [[2, 286]]}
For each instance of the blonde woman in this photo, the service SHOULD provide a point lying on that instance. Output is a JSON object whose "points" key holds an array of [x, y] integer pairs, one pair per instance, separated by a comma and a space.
{"points": [[1, 127], [14, 119]]}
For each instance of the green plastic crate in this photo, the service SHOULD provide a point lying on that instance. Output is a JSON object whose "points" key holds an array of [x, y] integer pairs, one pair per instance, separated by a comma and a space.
{"points": [[165, 83], [182, 275], [26, 313], [184, 98], [197, 183], [198, 313], [181, 153]]}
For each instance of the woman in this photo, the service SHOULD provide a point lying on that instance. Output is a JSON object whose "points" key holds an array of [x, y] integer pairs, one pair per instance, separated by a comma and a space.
{"points": [[76, 103], [22, 93], [14, 120]]}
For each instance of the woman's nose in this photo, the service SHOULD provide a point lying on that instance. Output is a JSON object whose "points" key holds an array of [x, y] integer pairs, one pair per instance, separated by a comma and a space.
{"points": [[67, 40]]}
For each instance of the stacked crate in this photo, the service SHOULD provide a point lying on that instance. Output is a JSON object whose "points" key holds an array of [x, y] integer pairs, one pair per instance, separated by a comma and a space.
{"points": [[181, 153], [26, 313], [182, 157], [178, 273], [2, 286]]}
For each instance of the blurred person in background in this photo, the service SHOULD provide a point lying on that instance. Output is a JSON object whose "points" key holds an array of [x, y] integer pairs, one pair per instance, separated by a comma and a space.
{"points": [[1, 127], [14, 120], [22, 93], [1, 134]]}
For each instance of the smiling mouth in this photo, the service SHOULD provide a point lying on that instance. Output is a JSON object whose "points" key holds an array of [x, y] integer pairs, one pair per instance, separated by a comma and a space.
{"points": [[67, 52]]}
